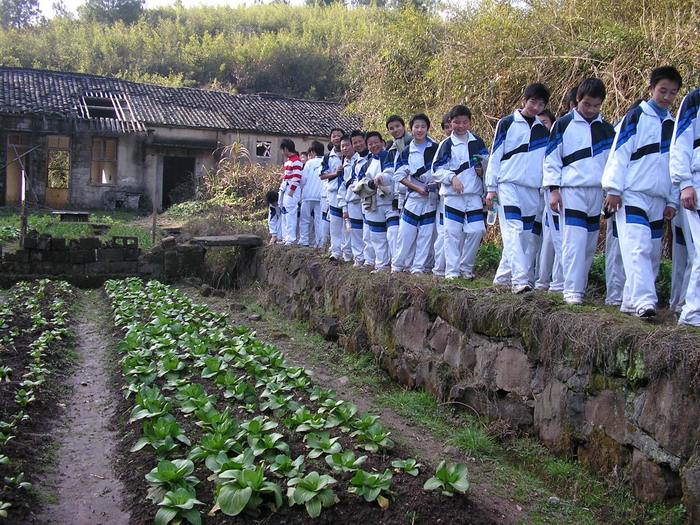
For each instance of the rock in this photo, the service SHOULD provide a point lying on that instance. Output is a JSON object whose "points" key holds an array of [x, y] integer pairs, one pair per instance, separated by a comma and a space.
{"points": [[218, 293], [412, 326], [168, 242], [279, 336], [690, 481], [554, 500], [512, 371], [606, 411], [236, 307], [343, 380], [205, 290], [255, 317], [550, 414], [651, 482], [329, 327], [452, 451]]}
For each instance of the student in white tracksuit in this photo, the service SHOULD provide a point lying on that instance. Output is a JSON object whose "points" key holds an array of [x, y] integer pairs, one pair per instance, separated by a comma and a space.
{"points": [[578, 148], [376, 215], [349, 158], [332, 173], [638, 187], [514, 177], [311, 189], [352, 204], [462, 188], [685, 174], [413, 170], [682, 261], [439, 245], [289, 194], [274, 224]]}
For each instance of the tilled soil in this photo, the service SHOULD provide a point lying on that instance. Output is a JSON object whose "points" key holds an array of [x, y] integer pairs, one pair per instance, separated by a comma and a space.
{"points": [[89, 493]]}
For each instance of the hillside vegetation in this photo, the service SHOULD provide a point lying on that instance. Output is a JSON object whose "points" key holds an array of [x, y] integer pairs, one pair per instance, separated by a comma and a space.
{"points": [[381, 60]]}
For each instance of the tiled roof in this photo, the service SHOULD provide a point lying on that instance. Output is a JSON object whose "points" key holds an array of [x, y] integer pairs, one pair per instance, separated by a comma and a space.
{"points": [[50, 93]]}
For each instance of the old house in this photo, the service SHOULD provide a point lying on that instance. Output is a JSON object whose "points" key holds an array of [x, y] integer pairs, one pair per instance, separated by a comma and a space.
{"points": [[96, 142]]}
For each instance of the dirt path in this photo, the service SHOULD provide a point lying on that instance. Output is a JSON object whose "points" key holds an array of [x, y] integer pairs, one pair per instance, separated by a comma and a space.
{"points": [[88, 490]]}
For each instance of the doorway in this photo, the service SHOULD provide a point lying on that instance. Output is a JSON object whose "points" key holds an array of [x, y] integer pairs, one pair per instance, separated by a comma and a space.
{"points": [[179, 183]]}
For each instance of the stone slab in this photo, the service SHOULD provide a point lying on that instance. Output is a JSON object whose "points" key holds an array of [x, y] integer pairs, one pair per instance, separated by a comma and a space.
{"points": [[243, 239]]}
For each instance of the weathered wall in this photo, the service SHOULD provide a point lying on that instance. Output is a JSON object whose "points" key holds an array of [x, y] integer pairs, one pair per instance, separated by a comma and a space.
{"points": [[618, 394]]}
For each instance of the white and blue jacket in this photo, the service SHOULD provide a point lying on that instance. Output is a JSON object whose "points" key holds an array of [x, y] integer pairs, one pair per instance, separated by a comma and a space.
{"points": [[416, 165], [454, 157], [517, 153], [639, 160], [577, 151], [355, 175], [311, 184], [685, 145], [330, 163], [348, 163]]}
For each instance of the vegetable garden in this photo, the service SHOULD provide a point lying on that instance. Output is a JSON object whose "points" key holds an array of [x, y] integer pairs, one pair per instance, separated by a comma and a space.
{"points": [[221, 425]]}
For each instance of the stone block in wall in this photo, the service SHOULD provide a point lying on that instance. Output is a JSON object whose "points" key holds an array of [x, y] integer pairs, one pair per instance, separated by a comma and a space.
{"points": [[131, 254], [601, 453], [168, 242], [652, 482], [63, 268], [328, 327], [128, 267], [110, 255], [97, 267], [36, 256], [58, 244], [44, 268], [447, 340], [77, 269], [30, 243], [43, 242], [513, 372], [606, 412], [430, 377], [22, 256], [412, 327], [690, 483], [78, 256], [170, 263], [59, 257], [659, 417], [550, 415], [150, 269], [87, 243]]}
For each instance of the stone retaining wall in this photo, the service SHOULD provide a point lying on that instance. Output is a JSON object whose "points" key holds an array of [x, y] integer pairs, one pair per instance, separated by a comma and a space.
{"points": [[617, 393]]}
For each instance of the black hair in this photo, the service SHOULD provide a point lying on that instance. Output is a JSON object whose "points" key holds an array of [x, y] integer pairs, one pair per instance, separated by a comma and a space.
{"points": [[357, 133], [593, 87], [317, 148], [665, 72], [330, 146], [537, 91], [460, 110], [342, 131], [346, 138], [288, 144], [547, 113], [272, 197], [371, 134], [419, 116], [571, 97], [445, 120], [395, 118]]}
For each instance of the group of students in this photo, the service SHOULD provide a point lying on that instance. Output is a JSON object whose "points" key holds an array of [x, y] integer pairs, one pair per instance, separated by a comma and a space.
{"points": [[415, 205]]}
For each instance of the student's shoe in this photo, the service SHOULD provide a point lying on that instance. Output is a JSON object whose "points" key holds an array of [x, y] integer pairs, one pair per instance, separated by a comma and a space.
{"points": [[573, 300], [469, 276], [613, 302], [501, 283], [629, 310], [357, 264], [648, 310], [521, 289], [333, 258], [451, 278], [378, 270], [347, 259]]}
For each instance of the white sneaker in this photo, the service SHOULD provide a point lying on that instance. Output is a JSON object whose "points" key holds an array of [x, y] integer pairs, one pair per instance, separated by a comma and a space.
{"points": [[357, 264], [629, 310], [521, 289], [573, 300], [648, 310], [378, 270], [469, 276]]}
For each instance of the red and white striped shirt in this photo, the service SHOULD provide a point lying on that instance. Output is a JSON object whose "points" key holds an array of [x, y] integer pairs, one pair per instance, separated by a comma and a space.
{"points": [[292, 172]]}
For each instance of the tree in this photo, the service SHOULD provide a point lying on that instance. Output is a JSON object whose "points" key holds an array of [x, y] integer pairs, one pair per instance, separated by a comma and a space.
{"points": [[19, 13], [111, 11]]}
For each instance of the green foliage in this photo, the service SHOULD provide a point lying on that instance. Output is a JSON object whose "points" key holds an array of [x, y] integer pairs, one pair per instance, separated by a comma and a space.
{"points": [[345, 461], [487, 257], [449, 479], [313, 491], [409, 466], [246, 490], [372, 486], [111, 11], [177, 505], [15, 14]]}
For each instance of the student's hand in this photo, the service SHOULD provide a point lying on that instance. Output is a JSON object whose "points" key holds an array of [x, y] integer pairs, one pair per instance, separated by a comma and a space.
{"points": [[689, 198], [490, 196], [379, 181], [291, 193], [612, 203], [669, 213], [422, 191], [273, 240], [555, 201], [346, 215], [457, 185]]}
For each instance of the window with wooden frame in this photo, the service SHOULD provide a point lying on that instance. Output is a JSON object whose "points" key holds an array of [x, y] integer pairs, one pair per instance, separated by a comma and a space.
{"points": [[104, 161], [263, 148], [58, 162]]}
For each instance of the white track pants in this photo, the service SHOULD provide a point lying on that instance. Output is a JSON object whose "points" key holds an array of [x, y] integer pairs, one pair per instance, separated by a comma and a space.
{"points": [[682, 261], [640, 227], [414, 243], [290, 207], [520, 207], [547, 256], [310, 216], [392, 231], [579, 236], [691, 309], [439, 246], [376, 222], [614, 269], [464, 217], [357, 245]]}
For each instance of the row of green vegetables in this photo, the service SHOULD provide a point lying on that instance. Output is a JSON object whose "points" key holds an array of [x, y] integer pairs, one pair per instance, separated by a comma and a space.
{"points": [[173, 350], [33, 322]]}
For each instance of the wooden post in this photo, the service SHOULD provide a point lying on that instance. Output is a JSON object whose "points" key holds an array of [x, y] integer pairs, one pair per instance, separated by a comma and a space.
{"points": [[155, 208], [23, 201]]}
